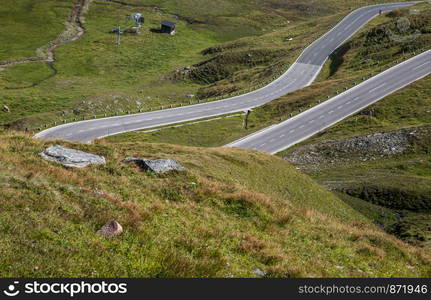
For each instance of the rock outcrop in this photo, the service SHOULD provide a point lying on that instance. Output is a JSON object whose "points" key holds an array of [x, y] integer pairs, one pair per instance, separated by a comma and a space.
{"points": [[358, 148], [158, 166], [71, 158]]}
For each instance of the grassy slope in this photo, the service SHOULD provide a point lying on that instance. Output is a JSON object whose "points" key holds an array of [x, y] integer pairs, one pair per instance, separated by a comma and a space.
{"points": [[233, 19], [233, 211], [97, 77], [26, 25], [407, 225]]}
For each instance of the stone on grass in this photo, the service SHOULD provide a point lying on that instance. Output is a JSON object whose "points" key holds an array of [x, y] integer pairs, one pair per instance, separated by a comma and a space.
{"points": [[258, 272], [6, 109], [71, 158], [111, 229], [158, 166]]}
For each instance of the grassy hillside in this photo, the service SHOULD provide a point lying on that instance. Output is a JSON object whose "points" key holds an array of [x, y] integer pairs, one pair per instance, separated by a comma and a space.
{"points": [[232, 212], [26, 25], [94, 76]]}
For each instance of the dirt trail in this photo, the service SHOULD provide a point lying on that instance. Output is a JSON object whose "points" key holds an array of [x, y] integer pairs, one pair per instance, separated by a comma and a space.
{"points": [[74, 30]]}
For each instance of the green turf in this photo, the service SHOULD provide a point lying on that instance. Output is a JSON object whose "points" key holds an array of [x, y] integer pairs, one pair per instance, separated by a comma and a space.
{"points": [[26, 25]]}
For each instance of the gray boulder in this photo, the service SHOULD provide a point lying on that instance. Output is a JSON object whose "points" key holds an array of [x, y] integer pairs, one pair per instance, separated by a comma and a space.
{"points": [[258, 272], [157, 165], [71, 158], [111, 229]]}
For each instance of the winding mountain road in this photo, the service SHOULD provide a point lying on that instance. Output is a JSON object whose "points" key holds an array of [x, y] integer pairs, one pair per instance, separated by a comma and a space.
{"points": [[286, 134], [301, 74]]}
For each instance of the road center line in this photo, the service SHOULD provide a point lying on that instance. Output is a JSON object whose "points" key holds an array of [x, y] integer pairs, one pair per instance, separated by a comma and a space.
{"points": [[376, 88], [418, 67]]}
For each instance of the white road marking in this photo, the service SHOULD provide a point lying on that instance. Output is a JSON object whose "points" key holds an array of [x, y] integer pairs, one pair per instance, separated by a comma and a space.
{"points": [[418, 67], [376, 88]]}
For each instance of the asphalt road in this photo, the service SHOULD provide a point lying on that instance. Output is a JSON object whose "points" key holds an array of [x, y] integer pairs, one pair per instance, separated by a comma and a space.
{"points": [[284, 135], [301, 74]]}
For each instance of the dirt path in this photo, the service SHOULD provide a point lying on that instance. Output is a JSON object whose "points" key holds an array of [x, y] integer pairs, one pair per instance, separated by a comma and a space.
{"points": [[74, 30]]}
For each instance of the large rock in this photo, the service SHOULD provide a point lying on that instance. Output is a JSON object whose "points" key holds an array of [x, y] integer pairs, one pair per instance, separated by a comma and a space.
{"points": [[157, 165], [71, 158], [258, 272], [111, 229]]}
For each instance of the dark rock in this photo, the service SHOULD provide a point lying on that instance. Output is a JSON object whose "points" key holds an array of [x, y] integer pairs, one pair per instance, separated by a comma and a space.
{"points": [[71, 158], [158, 165]]}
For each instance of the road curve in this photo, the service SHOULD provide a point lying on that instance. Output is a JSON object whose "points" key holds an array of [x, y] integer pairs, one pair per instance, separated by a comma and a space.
{"points": [[286, 134], [301, 74]]}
